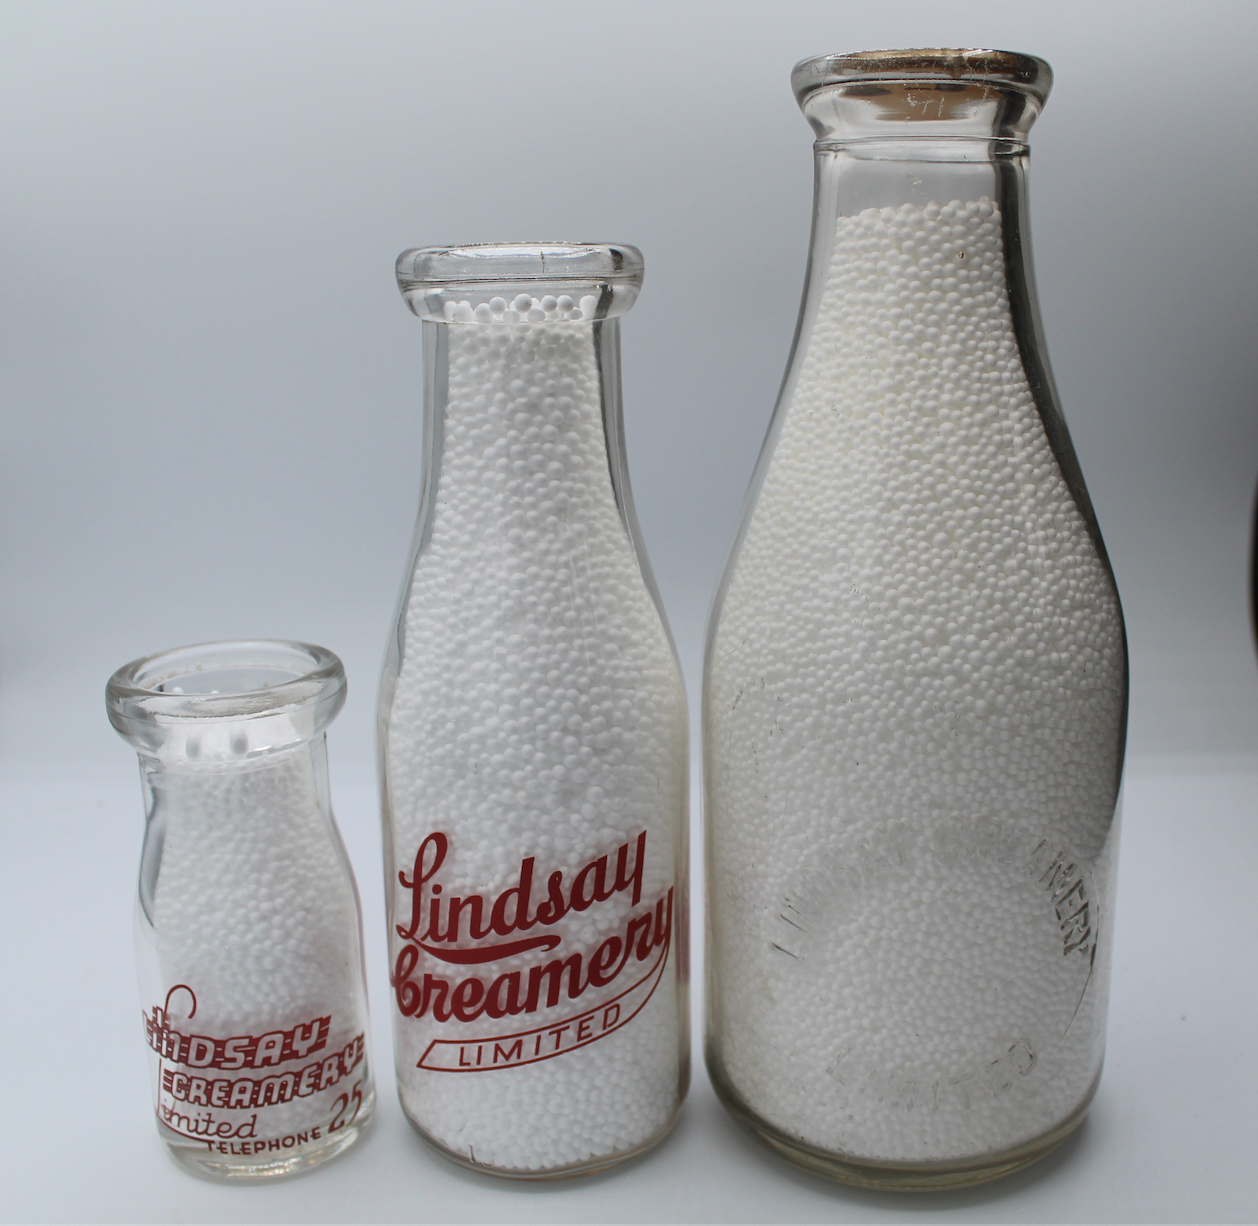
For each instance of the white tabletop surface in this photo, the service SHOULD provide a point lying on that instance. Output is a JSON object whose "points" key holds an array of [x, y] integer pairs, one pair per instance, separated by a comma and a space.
{"points": [[1171, 1136]]}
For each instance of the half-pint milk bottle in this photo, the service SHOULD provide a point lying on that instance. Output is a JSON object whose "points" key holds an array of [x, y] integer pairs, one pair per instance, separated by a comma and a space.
{"points": [[248, 934]]}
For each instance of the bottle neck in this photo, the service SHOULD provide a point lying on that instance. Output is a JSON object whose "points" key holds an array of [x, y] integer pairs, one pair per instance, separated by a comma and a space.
{"points": [[914, 180], [525, 485], [230, 749], [526, 416], [938, 228]]}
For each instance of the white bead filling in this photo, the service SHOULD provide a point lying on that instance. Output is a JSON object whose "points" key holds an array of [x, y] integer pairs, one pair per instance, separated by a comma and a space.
{"points": [[538, 712], [254, 910], [914, 718], [523, 308]]}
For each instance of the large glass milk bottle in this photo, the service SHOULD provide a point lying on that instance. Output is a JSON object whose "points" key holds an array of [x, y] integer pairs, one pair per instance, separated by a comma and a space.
{"points": [[916, 677], [532, 735]]}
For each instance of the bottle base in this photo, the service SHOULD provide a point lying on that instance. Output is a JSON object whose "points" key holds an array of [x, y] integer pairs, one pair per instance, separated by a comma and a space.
{"points": [[225, 1168], [591, 1166], [901, 1176]]}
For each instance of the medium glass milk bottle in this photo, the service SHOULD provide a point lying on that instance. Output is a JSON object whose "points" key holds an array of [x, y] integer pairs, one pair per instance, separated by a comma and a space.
{"points": [[916, 677], [532, 735], [247, 925]]}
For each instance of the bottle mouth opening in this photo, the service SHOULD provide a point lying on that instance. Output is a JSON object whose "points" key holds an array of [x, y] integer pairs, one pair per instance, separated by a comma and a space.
{"points": [[231, 680], [948, 69], [514, 283]]}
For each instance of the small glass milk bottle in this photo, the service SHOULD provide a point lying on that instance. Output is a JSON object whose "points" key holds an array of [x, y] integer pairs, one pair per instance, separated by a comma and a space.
{"points": [[916, 677], [247, 925], [532, 735]]}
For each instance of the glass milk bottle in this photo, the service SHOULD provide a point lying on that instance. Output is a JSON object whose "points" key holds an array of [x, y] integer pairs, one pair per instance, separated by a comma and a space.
{"points": [[532, 735], [247, 924], [916, 678]]}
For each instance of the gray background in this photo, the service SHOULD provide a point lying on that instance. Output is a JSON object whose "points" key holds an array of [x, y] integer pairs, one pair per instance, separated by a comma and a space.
{"points": [[211, 387]]}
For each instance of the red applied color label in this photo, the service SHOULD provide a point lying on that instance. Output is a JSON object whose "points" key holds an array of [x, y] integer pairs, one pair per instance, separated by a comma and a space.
{"points": [[241, 1052], [443, 971], [545, 1042], [240, 1093]]}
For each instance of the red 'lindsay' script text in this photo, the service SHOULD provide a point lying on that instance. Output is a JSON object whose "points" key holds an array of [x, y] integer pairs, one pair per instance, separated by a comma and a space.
{"points": [[509, 924]]}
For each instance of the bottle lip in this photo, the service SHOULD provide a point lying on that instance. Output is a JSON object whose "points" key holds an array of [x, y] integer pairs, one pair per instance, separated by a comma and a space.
{"points": [[235, 679], [1027, 73], [481, 282], [477, 263]]}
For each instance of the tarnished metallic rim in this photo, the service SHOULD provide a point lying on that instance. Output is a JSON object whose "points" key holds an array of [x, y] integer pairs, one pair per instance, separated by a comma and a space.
{"points": [[1027, 73]]}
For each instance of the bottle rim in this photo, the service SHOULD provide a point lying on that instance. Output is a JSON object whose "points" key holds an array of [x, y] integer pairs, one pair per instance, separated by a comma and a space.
{"points": [[477, 263], [257, 678], [514, 283], [922, 65]]}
